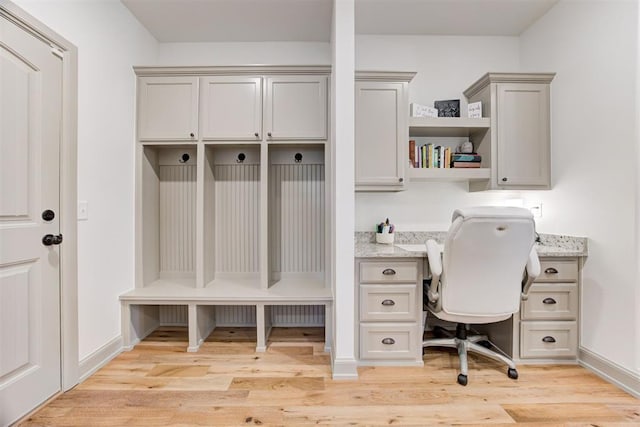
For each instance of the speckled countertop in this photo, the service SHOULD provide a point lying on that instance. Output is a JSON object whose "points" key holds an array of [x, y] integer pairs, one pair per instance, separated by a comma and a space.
{"points": [[550, 245]]}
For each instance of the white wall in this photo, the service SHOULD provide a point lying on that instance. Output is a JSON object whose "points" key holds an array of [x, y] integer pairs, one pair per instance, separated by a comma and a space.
{"points": [[266, 53], [110, 41], [593, 47], [445, 66]]}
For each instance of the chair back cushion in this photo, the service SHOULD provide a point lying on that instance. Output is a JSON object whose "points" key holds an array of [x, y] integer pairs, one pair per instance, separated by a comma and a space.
{"points": [[484, 258]]}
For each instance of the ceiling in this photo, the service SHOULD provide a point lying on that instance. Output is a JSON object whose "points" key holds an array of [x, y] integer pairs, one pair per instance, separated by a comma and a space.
{"points": [[310, 20]]}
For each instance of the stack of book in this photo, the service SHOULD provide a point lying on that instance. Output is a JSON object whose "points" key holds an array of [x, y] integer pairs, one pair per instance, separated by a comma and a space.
{"points": [[429, 155], [462, 160]]}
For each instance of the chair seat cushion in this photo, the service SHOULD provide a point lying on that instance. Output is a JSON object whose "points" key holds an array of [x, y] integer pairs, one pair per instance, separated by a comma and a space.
{"points": [[469, 320]]}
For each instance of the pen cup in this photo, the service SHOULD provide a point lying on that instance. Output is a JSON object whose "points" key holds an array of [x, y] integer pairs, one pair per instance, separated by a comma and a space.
{"points": [[385, 238]]}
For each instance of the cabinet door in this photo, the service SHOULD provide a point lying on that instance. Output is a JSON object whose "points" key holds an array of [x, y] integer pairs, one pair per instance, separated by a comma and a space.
{"points": [[381, 135], [168, 108], [296, 108], [523, 135], [231, 108]]}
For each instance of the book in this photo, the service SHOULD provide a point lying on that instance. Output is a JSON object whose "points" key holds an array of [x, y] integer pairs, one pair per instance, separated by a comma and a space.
{"points": [[412, 153], [466, 164], [460, 157]]}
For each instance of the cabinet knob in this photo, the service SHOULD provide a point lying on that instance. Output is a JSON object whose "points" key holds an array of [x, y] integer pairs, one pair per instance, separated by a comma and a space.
{"points": [[257, 135], [388, 272], [192, 134], [551, 270], [400, 179], [388, 341], [269, 134], [549, 301], [388, 302], [504, 179], [548, 339]]}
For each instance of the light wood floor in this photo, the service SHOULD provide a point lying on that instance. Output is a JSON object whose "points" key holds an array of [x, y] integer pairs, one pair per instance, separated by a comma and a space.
{"points": [[228, 383]]}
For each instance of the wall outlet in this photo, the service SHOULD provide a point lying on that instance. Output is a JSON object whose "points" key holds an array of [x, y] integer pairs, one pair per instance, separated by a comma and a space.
{"points": [[83, 210]]}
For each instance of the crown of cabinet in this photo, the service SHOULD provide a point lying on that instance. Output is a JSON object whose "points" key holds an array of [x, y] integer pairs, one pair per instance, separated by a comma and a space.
{"points": [[247, 103]]}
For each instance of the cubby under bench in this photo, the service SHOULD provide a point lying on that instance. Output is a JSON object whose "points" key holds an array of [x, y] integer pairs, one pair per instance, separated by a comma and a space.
{"points": [[141, 308]]}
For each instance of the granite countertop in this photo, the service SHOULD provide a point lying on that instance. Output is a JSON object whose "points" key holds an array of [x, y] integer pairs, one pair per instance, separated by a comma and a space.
{"points": [[550, 245]]}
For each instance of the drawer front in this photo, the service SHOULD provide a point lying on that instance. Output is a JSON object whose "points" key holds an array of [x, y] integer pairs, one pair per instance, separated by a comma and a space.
{"points": [[388, 272], [389, 342], [558, 271], [541, 340], [551, 301], [388, 303]]}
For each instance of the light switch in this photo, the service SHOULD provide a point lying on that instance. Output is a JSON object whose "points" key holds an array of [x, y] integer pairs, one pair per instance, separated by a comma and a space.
{"points": [[83, 210]]}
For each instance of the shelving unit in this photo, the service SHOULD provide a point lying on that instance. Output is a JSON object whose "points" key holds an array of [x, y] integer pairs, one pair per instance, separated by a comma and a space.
{"points": [[230, 221], [450, 132]]}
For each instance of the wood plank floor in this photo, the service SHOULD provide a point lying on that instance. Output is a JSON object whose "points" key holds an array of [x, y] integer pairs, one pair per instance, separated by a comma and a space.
{"points": [[227, 383]]}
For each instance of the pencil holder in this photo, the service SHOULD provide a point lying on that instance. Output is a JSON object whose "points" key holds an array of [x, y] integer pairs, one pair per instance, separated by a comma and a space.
{"points": [[386, 238]]}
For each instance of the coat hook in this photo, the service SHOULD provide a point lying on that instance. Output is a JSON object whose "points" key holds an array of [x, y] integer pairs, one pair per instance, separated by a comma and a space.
{"points": [[241, 157], [184, 158], [298, 157]]}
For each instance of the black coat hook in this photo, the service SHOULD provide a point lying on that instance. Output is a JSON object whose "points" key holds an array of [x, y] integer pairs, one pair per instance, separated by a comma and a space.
{"points": [[184, 158], [241, 157], [298, 157]]}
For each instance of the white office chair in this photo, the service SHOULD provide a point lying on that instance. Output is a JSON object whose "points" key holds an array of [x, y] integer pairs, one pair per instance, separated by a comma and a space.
{"points": [[487, 265]]}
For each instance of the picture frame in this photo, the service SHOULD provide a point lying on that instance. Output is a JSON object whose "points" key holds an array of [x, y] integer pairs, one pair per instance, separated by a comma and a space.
{"points": [[448, 108]]}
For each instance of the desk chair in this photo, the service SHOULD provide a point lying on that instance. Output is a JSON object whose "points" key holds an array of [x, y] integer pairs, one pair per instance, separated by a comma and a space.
{"points": [[486, 266]]}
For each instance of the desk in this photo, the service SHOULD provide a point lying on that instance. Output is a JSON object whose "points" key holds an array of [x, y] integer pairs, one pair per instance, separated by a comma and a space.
{"points": [[389, 322]]}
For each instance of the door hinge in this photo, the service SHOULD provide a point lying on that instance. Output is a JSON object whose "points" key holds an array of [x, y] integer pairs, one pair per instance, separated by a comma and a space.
{"points": [[57, 52]]}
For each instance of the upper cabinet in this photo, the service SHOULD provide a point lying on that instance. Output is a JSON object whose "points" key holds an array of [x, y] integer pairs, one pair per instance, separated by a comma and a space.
{"points": [[211, 104], [168, 108], [518, 105], [381, 128], [231, 108], [296, 108]]}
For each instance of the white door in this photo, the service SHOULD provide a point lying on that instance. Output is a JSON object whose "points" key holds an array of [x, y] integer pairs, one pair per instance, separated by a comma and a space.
{"points": [[30, 114]]}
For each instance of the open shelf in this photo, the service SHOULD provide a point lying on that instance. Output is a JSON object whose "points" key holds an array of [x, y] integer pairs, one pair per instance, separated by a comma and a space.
{"points": [[446, 126], [167, 198], [449, 174]]}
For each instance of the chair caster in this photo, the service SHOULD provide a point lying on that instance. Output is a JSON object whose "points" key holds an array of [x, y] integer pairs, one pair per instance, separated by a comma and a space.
{"points": [[462, 379], [512, 373]]}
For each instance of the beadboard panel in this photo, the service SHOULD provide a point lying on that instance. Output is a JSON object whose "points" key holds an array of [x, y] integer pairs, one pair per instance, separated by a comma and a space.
{"points": [[296, 220], [240, 315], [177, 219], [237, 218]]}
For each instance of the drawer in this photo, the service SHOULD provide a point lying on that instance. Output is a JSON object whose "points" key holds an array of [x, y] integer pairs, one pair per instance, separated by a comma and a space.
{"points": [[388, 303], [388, 272], [551, 301], [389, 342], [558, 271], [542, 340]]}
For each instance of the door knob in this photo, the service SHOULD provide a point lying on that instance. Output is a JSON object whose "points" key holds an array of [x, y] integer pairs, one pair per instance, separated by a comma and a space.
{"points": [[50, 239]]}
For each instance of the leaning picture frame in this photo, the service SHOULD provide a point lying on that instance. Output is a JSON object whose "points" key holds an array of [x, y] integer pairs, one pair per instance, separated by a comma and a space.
{"points": [[448, 108]]}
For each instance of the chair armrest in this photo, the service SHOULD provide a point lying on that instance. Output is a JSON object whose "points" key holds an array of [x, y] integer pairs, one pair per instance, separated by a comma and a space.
{"points": [[434, 255], [532, 272]]}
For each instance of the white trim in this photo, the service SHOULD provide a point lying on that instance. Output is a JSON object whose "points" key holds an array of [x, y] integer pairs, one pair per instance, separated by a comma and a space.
{"points": [[68, 190], [344, 369], [96, 360], [615, 374]]}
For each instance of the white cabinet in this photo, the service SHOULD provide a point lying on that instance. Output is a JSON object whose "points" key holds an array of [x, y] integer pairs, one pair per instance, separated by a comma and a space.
{"points": [[518, 153], [168, 108], [296, 107], [231, 108], [382, 138], [389, 298]]}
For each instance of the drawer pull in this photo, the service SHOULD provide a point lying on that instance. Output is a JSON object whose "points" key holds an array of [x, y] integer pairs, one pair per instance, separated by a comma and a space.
{"points": [[388, 341], [548, 339], [549, 301], [551, 270], [388, 272], [388, 302]]}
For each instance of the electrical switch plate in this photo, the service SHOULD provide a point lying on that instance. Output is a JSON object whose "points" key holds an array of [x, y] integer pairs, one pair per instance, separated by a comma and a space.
{"points": [[535, 208], [83, 210]]}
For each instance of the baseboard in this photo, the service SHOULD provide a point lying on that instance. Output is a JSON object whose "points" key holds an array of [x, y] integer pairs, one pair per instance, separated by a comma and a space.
{"points": [[627, 380], [344, 369], [99, 358]]}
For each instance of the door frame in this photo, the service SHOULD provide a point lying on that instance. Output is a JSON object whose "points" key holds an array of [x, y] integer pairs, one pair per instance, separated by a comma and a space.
{"points": [[68, 189]]}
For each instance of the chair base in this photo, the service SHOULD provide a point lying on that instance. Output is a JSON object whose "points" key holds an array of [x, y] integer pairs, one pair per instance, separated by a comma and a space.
{"points": [[465, 344]]}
